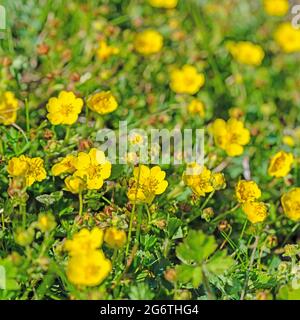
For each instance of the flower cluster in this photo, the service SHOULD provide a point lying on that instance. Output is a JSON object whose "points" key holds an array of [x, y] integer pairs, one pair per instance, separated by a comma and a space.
{"points": [[87, 265], [201, 180], [146, 183], [89, 170], [31, 169], [247, 193]]}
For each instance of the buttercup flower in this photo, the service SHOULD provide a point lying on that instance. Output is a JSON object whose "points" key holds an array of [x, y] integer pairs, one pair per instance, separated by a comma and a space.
{"points": [[197, 107], [17, 166], [105, 51], [93, 168], [115, 238], [66, 165], [102, 102], [246, 52], [46, 222], [88, 270], [276, 7], [64, 109], [247, 191], [75, 184], [186, 80], [84, 241], [218, 181], [291, 204], [32, 169], [255, 211], [146, 184], [148, 42], [280, 164], [167, 4], [8, 108], [288, 38], [199, 179], [230, 136]]}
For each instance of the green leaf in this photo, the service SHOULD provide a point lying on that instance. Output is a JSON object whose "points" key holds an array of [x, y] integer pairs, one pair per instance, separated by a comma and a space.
{"points": [[186, 274], [141, 292], [287, 292], [219, 263], [173, 225], [196, 247], [49, 199]]}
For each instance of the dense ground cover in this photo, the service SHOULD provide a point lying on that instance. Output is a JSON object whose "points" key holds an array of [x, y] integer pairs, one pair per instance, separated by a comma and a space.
{"points": [[74, 225]]}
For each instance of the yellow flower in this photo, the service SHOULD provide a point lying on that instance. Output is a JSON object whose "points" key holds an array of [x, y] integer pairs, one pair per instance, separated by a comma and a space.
{"points": [[17, 166], [199, 179], [136, 139], [287, 37], [93, 168], [105, 51], [74, 184], [146, 184], [280, 164], [64, 109], [35, 171], [291, 204], [89, 269], [66, 165], [247, 191], [8, 108], [167, 4], [230, 136], [84, 241], [115, 238], [46, 222], [289, 141], [276, 7], [196, 107], [102, 102], [32, 169], [255, 211], [148, 42], [218, 181], [186, 80], [246, 52]]}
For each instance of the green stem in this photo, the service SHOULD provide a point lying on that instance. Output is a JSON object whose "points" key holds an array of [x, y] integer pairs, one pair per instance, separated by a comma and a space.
{"points": [[132, 214], [208, 289], [67, 136], [201, 208], [27, 116], [250, 267], [139, 223], [148, 213], [23, 214], [2, 218], [221, 216], [80, 204]]}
